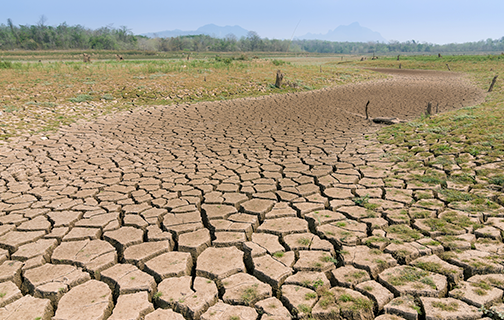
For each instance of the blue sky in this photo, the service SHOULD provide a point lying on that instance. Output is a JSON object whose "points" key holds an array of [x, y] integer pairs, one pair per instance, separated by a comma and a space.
{"points": [[434, 21]]}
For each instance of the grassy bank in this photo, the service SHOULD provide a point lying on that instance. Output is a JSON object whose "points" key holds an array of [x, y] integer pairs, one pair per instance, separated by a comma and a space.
{"points": [[461, 151]]}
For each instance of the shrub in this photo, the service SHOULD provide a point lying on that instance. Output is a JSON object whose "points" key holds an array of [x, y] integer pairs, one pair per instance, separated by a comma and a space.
{"points": [[277, 62], [81, 98]]}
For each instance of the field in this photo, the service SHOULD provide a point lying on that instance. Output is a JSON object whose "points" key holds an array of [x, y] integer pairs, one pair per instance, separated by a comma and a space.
{"points": [[39, 97], [138, 188]]}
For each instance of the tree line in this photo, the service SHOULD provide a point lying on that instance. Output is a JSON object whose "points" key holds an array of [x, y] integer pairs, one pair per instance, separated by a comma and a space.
{"points": [[43, 37], [63, 36], [412, 46]]}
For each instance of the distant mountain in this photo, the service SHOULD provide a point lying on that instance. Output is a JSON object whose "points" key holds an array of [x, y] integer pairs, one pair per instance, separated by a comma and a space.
{"points": [[351, 33], [209, 29]]}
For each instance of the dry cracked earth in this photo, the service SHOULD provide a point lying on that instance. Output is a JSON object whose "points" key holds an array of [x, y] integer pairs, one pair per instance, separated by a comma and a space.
{"points": [[268, 208]]}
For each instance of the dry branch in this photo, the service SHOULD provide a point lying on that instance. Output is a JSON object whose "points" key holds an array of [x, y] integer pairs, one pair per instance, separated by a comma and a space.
{"points": [[493, 83], [384, 120]]}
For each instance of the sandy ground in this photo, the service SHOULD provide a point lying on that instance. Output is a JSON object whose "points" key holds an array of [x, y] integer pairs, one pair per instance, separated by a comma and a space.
{"points": [[241, 207]]}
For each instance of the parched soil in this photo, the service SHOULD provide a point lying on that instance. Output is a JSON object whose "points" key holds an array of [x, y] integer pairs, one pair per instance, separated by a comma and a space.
{"points": [[277, 206]]}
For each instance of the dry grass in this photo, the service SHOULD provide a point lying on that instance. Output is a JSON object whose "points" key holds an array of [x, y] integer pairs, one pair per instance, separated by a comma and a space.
{"points": [[37, 97]]}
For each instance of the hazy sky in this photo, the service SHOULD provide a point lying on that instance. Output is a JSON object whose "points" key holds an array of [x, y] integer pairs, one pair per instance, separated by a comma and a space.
{"points": [[435, 21]]}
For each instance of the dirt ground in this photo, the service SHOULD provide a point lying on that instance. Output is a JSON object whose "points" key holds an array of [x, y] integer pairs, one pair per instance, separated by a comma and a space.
{"points": [[270, 208]]}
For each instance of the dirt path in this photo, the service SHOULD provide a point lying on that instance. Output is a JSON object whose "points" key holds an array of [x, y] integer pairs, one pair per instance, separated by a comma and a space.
{"points": [[279, 203]]}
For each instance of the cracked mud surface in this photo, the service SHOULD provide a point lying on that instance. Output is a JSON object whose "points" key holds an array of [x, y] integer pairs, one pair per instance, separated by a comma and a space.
{"points": [[267, 208]]}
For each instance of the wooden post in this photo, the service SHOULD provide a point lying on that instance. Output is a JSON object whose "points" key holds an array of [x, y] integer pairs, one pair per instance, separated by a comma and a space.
{"points": [[366, 110], [188, 55], [448, 67], [398, 57], [429, 109], [279, 78], [204, 79], [492, 85], [400, 66]]}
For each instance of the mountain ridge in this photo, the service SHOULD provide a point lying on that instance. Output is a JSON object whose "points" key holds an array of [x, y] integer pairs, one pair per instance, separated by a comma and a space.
{"points": [[208, 29], [353, 32]]}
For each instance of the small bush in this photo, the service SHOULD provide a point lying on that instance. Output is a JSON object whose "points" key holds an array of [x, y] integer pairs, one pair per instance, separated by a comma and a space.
{"points": [[278, 254], [361, 201], [277, 62], [6, 65], [498, 180], [250, 294], [107, 97], [10, 109], [492, 313], [225, 60], [243, 57], [304, 308], [81, 98]]}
